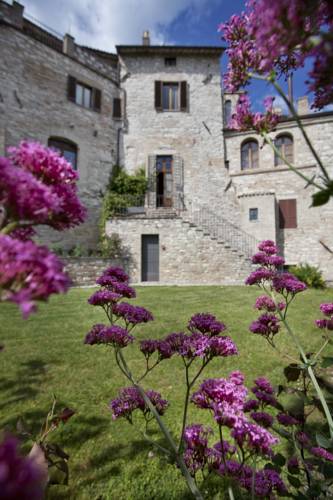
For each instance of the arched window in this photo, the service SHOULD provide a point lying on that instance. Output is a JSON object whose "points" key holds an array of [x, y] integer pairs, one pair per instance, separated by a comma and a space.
{"points": [[227, 112], [285, 145], [250, 154], [67, 148]]}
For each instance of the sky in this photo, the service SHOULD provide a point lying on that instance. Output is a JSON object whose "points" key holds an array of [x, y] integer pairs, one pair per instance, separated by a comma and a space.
{"points": [[103, 24]]}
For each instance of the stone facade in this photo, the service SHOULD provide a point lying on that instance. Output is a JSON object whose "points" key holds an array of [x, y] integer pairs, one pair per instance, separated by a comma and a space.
{"points": [[34, 105], [207, 210], [83, 271]]}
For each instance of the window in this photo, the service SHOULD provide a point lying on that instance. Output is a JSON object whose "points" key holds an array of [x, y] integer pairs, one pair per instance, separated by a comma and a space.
{"points": [[227, 112], [287, 214], [67, 148], [116, 107], [284, 143], [83, 95], [249, 154], [170, 61], [253, 214], [171, 96]]}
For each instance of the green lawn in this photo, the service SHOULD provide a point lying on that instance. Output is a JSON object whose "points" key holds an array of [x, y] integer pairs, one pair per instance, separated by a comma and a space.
{"points": [[109, 460]]}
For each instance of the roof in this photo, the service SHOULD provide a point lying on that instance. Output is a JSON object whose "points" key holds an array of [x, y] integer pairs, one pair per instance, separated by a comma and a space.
{"points": [[170, 50]]}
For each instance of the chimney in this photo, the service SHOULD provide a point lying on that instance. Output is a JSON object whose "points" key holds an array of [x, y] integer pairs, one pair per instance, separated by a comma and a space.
{"points": [[17, 14], [277, 111], [146, 38], [303, 106], [68, 45]]}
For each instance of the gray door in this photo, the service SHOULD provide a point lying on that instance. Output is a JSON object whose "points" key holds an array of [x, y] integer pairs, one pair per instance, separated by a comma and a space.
{"points": [[150, 257]]}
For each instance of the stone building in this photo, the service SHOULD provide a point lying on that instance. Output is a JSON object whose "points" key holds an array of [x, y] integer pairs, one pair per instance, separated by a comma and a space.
{"points": [[65, 95], [212, 192]]}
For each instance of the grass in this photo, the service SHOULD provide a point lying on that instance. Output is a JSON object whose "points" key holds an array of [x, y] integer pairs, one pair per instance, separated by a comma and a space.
{"points": [[109, 460]]}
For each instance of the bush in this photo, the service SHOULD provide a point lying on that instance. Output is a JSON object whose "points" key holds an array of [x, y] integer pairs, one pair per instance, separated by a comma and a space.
{"points": [[310, 275]]}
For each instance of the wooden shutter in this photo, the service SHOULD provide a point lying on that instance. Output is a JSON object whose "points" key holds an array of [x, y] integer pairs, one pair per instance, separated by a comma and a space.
{"points": [[158, 96], [178, 177], [183, 96], [152, 181], [71, 88], [287, 214], [116, 107], [97, 99]]}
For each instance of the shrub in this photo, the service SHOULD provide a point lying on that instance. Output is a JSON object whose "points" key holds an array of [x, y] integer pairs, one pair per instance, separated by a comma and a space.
{"points": [[311, 275]]}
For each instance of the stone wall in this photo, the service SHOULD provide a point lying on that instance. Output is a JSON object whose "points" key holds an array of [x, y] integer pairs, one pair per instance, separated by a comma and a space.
{"points": [[84, 271], [187, 255], [265, 186], [34, 105]]}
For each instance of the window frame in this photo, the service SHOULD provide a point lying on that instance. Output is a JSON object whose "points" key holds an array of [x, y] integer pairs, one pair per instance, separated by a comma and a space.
{"points": [[250, 160], [254, 210], [95, 100], [57, 143], [170, 96], [170, 62], [277, 160]]}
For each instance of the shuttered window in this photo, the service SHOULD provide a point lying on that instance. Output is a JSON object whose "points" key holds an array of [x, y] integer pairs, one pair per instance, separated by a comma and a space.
{"points": [[116, 107], [83, 95], [285, 145], [171, 96], [287, 214]]}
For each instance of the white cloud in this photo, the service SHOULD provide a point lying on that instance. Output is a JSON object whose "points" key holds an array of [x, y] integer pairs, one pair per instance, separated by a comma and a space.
{"points": [[105, 23]]}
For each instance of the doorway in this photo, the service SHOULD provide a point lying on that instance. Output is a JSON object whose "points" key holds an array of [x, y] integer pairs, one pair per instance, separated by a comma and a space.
{"points": [[164, 181], [150, 257]]}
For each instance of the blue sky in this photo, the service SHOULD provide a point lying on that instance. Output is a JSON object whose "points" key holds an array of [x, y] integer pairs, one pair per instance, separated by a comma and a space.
{"points": [[104, 24]]}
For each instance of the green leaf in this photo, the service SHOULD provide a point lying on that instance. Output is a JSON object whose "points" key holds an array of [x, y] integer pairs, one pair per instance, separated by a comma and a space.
{"points": [[320, 198], [327, 361], [294, 481], [279, 459], [323, 441], [292, 372]]}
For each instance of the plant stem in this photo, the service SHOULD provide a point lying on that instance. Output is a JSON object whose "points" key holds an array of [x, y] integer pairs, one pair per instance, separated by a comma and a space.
{"points": [[189, 479]]}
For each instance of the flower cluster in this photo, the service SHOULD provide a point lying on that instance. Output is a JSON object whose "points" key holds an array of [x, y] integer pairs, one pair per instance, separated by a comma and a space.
{"points": [[38, 186], [327, 310], [206, 323], [266, 325], [264, 392], [130, 399], [132, 314], [280, 36], [29, 273], [115, 280], [267, 304], [20, 477], [197, 452], [244, 119], [114, 335]]}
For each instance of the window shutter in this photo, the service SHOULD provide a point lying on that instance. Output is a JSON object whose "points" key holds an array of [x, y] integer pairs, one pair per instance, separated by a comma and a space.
{"points": [[288, 151], [116, 107], [287, 214], [71, 88], [152, 181], [178, 176], [183, 96], [158, 96], [97, 99]]}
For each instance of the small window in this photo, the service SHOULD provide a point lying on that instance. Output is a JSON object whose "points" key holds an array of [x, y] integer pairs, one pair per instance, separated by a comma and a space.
{"points": [[171, 96], [253, 214], [249, 154], [116, 108], [170, 61], [67, 149], [285, 145], [83, 95], [227, 112], [287, 214]]}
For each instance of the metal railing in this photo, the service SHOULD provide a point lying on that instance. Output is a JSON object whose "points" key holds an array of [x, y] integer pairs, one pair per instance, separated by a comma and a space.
{"points": [[128, 205], [219, 228]]}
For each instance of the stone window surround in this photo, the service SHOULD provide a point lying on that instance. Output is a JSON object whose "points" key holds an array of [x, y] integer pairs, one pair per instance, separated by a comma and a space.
{"points": [[253, 163]]}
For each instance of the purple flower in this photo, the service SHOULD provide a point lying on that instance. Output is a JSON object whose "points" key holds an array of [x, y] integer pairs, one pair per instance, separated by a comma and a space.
{"points": [[130, 400], [222, 346], [293, 463], [268, 304], [29, 273], [254, 437], [266, 325], [103, 297], [20, 477], [262, 418], [303, 439], [268, 247], [206, 323], [266, 482], [327, 309], [264, 385], [251, 404], [114, 335], [286, 283], [259, 276], [164, 349], [321, 453], [245, 119], [114, 274], [286, 420], [132, 314], [43, 172], [196, 450], [324, 323], [148, 347], [264, 392]]}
